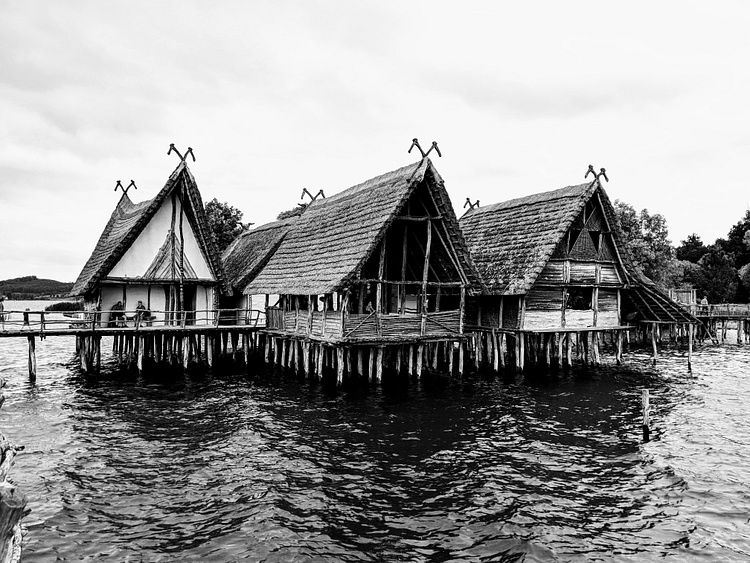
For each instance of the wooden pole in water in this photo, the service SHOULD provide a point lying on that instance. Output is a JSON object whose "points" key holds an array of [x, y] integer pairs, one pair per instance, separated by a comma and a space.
{"points": [[379, 368], [691, 328], [646, 409], [340, 366], [653, 343], [32, 359]]}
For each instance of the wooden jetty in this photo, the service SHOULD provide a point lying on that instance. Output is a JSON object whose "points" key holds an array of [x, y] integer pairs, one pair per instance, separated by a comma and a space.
{"points": [[184, 338], [558, 276], [717, 319]]}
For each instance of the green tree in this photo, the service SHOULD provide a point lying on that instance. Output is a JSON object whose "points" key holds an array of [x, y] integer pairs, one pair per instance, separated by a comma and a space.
{"points": [[735, 244], [716, 277], [225, 222], [691, 249], [647, 239]]}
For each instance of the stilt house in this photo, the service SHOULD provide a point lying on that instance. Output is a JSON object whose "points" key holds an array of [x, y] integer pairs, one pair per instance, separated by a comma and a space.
{"points": [[243, 259], [160, 252], [555, 262], [381, 262]]}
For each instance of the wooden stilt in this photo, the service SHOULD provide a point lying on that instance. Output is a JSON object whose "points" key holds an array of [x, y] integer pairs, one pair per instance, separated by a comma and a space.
{"points": [[185, 352], [595, 347], [450, 349], [461, 345], [420, 353], [141, 348], [360, 361], [618, 349], [379, 367], [32, 359], [495, 352], [411, 360], [318, 361], [690, 346], [340, 366], [653, 343]]}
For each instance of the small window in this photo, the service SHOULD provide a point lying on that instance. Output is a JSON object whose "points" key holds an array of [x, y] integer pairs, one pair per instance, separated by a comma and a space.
{"points": [[579, 298]]}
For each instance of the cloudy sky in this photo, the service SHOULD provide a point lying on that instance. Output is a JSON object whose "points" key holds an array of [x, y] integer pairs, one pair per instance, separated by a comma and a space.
{"points": [[279, 96]]}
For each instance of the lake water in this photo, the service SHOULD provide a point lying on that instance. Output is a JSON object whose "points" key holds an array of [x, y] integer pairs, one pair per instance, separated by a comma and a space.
{"points": [[261, 466]]}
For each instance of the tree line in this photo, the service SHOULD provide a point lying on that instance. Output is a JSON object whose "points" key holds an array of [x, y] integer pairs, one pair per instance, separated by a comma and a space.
{"points": [[719, 271]]}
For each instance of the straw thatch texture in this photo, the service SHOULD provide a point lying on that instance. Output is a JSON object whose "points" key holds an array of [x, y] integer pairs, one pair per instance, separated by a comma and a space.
{"points": [[334, 237], [511, 242], [250, 251], [129, 219]]}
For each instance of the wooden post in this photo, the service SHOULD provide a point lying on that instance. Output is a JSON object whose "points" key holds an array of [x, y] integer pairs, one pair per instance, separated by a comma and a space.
{"points": [[495, 352], [653, 343], [425, 272], [646, 413], [461, 345], [32, 359], [690, 346], [371, 362], [411, 359], [141, 346], [420, 352], [449, 348], [618, 350], [379, 368], [319, 361], [185, 352], [340, 366], [360, 361]]}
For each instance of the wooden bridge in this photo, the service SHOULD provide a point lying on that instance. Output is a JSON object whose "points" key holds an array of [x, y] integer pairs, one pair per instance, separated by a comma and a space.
{"points": [[719, 318], [140, 337]]}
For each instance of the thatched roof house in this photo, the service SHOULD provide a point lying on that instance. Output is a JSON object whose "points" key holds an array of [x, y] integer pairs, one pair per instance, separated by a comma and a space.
{"points": [[562, 257], [389, 246], [160, 251], [251, 250]]}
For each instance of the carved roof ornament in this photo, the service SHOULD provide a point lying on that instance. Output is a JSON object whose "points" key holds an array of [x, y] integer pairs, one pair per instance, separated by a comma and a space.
{"points": [[602, 173], [415, 143]]}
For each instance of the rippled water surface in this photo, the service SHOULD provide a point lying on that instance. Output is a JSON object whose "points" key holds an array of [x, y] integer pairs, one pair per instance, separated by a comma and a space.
{"points": [[260, 466]]}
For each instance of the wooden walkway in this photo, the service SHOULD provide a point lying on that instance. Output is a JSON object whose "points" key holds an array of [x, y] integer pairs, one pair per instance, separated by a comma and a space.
{"points": [[155, 337]]}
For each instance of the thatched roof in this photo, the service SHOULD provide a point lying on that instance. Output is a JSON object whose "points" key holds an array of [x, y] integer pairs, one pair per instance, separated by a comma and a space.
{"points": [[128, 221], [251, 250], [333, 238], [510, 242]]}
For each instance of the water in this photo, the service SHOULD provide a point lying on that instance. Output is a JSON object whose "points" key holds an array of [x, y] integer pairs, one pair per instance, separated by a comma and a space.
{"points": [[262, 466]]}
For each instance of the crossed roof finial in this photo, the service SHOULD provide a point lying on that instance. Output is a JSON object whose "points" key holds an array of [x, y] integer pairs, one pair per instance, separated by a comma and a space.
{"points": [[182, 158], [415, 143], [125, 190], [312, 197], [596, 176], [471, 205]]}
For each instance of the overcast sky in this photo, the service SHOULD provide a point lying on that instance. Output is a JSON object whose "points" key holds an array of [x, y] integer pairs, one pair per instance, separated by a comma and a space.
{"points": [[279, 96]]}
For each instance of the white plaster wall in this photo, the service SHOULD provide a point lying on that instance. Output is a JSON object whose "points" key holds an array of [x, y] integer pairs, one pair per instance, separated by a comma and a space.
{"points": [[204, 300], [142, 252]]}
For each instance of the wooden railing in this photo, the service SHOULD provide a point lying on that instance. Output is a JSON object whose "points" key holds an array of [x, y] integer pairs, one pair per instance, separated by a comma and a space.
{"points": [[724, 310], [370, 325], [49, 321]]}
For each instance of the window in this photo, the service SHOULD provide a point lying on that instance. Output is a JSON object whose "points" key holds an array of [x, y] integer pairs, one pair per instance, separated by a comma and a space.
{"points": [[579, 298]]}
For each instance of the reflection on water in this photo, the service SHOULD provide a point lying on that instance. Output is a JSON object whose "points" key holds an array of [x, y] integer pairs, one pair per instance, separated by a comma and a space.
{"points": [[268, 467]]}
